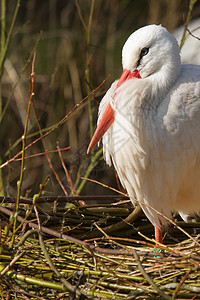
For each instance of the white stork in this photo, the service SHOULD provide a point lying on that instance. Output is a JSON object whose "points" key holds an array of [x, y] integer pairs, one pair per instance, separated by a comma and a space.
{"points": [[149, 122]]}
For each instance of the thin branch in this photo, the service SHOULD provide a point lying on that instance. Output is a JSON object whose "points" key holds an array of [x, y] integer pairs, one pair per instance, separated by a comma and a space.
{"points": [[55, 270], [110, 270], [73, 191], [194, 289], [88, 70], [120, 225], [141, 202], [35, 198], [91, 166], [149, 280], [80, 16], [191, 5], [180, 284], [13, 261], [43, 153], [111, 238], [194, 36], [19, 184], [56, 126], [34, 281], [44, 199], [50, 263]]}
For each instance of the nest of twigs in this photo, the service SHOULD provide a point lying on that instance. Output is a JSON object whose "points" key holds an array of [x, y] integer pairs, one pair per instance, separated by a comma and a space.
{"points": [[62, 249]]}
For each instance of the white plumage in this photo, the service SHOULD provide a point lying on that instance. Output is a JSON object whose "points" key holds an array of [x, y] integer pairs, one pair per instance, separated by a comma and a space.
{"points": [[190, 52], [154, 136]]}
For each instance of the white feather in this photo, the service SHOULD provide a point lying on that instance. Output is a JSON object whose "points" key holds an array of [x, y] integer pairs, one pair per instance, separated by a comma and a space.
{"points": [[154, 141]]}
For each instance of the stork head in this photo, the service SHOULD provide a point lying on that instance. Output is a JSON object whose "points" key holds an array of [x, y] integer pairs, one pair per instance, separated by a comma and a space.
{"points": [[150, 52]]}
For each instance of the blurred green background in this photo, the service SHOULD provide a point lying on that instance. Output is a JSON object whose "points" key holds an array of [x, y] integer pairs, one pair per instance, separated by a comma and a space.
{"points": [[66, 57]]}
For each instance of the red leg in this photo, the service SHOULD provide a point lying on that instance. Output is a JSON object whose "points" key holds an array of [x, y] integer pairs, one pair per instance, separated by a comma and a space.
{"points": [[158, 238], [158, 234]]}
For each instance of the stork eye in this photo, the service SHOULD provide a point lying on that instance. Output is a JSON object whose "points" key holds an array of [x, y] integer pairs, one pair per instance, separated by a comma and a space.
{"points": [[144, 52]]}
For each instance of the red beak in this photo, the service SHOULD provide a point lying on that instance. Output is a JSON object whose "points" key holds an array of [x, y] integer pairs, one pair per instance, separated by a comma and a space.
{"points": [[109, 114]]}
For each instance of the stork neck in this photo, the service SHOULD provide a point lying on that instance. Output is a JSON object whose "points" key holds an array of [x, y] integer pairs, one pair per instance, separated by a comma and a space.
{"points": [[164, 79]]}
